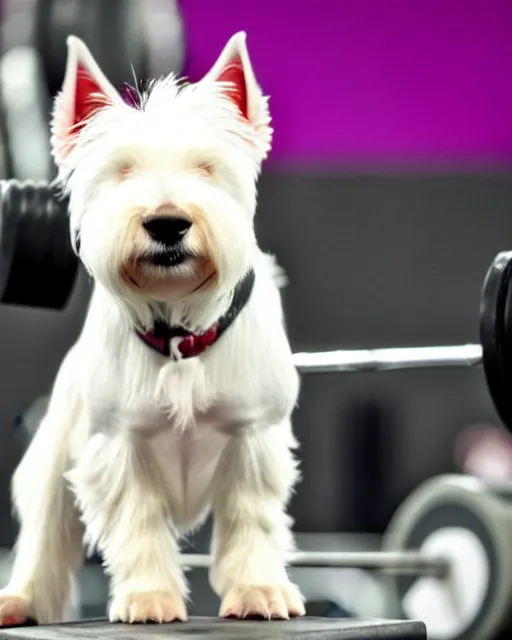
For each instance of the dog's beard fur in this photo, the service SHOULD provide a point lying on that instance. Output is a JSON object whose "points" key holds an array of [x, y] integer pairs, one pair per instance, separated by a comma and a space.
{"points": [[186, 147], [136, 449]]}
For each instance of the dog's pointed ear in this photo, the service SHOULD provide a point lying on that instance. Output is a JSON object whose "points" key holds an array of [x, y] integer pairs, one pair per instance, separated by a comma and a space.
{"points": [[234, 69], [85, 90]]}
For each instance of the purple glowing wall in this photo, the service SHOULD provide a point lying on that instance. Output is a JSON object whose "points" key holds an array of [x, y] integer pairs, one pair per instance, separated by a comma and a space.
{"points": [[372, 82]]}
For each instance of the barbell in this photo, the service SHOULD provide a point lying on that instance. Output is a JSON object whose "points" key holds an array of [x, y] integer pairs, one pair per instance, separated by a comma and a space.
{"points": [[38, 268], [446, 558]]}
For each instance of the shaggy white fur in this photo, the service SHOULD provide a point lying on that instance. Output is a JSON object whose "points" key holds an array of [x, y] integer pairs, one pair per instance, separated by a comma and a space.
{"points": [[137, 448]]}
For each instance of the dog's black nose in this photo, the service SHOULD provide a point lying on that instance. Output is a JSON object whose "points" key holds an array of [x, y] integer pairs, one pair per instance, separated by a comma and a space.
{"points": [[168, 230]]}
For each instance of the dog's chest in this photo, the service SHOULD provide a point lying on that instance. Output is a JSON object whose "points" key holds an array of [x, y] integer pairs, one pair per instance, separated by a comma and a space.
{"points": [[183, 416], [188, 460]]}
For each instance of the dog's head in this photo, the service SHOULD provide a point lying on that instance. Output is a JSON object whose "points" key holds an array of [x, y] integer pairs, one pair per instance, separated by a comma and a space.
{"points": [[162, 182]]}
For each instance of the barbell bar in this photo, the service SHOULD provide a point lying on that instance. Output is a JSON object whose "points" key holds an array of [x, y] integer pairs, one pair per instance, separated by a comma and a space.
{"points": [[494, 351], [404, 563], [445, 558], [38, 268], [371, 360]]}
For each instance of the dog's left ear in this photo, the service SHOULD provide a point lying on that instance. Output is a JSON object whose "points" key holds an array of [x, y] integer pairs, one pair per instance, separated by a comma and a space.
{"points": [[234, 69], [85, 90]]}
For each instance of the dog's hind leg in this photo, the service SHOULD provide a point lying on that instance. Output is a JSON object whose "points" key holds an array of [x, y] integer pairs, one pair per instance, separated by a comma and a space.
{"points": [[49, 545]]}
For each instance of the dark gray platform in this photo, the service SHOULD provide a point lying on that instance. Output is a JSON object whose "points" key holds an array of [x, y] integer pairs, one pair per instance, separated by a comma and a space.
{"points": [[217, 629]]}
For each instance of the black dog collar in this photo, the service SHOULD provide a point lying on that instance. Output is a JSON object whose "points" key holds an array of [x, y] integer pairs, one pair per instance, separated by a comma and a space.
{"points": [[179, 344]]}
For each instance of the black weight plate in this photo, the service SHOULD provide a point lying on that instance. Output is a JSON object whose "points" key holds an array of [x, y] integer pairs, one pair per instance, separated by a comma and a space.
{"points": [[492, 334], [43, 266], [507, 335], [8, 230]]}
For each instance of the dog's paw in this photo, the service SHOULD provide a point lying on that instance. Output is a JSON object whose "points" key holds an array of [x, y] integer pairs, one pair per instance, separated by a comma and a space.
{"points": [[148, 606], [279, 602], [14, 610]]}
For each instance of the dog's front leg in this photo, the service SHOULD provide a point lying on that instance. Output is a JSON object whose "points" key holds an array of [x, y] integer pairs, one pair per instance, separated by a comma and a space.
{"points": [[49, 546], [126, 515], [251, 530]]}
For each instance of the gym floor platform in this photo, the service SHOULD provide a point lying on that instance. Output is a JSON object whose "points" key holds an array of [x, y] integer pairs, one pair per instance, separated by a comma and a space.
{"points": [[218, 629]]}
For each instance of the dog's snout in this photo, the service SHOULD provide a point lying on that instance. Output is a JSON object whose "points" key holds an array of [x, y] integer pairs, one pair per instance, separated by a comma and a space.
{"points": [[166, 227]]}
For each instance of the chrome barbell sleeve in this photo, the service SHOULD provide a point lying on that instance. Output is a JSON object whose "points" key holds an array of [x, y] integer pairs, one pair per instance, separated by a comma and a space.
{"points": [[369, 360]]}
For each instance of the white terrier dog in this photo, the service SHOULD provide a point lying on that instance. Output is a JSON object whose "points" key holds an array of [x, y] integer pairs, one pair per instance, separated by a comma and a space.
{"points": [[176, 399]]}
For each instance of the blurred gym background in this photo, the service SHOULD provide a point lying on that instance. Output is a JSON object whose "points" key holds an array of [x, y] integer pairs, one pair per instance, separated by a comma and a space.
{"points": [[386, 197]]}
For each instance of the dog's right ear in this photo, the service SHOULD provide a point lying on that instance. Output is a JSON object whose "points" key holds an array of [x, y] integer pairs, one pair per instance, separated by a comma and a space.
{"points": [[85, 90]]}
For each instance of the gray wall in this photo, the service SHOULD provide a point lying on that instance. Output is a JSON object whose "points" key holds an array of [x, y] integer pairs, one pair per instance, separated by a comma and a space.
{"points": [[373, 261], [383, 261], [32, 345]]}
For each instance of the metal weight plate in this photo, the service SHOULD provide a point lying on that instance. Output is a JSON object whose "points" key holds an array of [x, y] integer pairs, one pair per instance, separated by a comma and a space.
{"points": [[165, 38], [4, 150], [113, 31], [17, 23], [38, 263], [492, 334], [464, 521], [25, 121]]}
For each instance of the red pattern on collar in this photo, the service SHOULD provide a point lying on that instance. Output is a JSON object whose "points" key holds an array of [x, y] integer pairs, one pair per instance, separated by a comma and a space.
{"points": [[193, 345], [188, 345]]}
